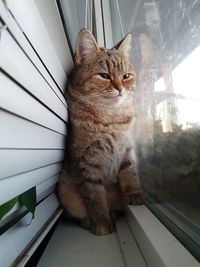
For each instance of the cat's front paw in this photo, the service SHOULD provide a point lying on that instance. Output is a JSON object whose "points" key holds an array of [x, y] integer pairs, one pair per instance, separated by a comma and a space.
{"points": [[135, 198], [103, 227]]}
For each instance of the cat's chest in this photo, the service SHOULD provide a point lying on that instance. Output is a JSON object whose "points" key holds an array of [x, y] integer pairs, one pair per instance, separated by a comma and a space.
{"points": [[114, 160]]}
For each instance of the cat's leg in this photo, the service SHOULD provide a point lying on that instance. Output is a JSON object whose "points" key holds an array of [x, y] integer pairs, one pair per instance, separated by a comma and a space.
{"points": [[127, 178], [92, 187], [72, 201], [114, 197], [115, 201], [97, 206]]}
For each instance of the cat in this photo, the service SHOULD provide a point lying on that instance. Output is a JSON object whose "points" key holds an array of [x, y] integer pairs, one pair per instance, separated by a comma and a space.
{"points": [[99, 174]]}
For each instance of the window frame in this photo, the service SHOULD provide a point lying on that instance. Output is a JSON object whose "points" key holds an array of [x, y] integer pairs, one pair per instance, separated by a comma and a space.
{"points": [[158, 245]]}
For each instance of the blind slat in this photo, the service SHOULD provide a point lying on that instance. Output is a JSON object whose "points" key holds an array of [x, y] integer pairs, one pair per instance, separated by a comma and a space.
{"points": [[14, 162], [20, 133], [46, 187], [43, 188]]}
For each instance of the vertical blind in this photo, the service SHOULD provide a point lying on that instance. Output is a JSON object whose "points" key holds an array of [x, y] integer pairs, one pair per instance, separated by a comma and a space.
{"points": [[34, 62]]}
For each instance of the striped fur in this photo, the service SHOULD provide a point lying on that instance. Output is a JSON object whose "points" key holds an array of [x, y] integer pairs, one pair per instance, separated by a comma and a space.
{"points": [[99, 174]]}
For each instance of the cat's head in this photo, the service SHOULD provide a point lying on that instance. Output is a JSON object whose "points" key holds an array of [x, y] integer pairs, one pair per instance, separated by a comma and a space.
{"points": [[102, 75]]}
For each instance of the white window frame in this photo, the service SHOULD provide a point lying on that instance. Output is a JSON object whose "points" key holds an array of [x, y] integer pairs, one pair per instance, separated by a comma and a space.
{"points": [[158, 245], [99, 22]]}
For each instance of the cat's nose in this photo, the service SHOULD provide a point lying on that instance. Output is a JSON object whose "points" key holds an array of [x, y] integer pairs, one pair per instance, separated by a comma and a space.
{"points": [[118, 86]]}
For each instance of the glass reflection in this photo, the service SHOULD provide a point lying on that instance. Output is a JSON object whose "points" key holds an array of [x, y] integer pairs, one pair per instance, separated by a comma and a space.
{"points": [[166, 53]]}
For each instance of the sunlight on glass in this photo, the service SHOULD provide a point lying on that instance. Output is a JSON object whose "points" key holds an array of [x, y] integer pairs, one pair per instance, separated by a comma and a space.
{"points": [[186, 77], [186, 82], [159, 85]]}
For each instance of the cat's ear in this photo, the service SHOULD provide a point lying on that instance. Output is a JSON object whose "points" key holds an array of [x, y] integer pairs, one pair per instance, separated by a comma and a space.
{"points": [[86, 46], [124, 46]]}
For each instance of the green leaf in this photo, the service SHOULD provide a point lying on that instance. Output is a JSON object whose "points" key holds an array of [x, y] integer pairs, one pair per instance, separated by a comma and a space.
{"points": [[28, 199], [5, 208]]}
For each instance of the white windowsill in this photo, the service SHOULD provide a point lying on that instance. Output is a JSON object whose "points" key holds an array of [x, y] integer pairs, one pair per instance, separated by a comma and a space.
{"points": [[159, 246], [140, 240]]}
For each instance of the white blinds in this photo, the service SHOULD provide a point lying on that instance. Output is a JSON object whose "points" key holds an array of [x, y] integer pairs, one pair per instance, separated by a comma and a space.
{"points": [[15, 185], [19, 237], [52, 20], [28, 17], [16, 63], [34, 63]]}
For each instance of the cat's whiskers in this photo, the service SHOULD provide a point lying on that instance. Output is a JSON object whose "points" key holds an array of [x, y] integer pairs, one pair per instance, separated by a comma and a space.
{"points": [[91, 95]]}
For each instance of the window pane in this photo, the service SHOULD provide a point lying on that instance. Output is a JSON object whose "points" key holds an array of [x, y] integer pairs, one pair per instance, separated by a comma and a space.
{"points": [[77, 15], [166, 53]]}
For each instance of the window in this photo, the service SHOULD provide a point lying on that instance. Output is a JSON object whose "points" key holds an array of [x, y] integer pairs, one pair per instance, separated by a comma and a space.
{"points": [[166, 53], [77, 15]]}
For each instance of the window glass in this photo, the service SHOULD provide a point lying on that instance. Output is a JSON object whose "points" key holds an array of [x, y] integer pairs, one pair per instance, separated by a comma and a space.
{"points": [[166, 53], [77, 15]]}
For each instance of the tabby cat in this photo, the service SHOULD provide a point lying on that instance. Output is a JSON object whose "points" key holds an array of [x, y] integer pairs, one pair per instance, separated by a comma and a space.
{"points": [[99, 174]]}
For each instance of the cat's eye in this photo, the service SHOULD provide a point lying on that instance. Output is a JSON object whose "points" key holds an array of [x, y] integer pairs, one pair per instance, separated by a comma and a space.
{"points": [[126, 76], [104, 75]]}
